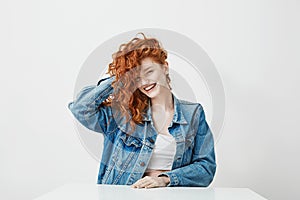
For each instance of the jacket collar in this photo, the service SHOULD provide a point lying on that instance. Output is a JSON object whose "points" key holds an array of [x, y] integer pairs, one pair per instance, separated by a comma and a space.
{"points": [[178, 116]]}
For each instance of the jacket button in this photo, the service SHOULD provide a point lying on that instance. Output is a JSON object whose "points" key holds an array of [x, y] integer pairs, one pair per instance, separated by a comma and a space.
{"points": [[151, 140], [142, 164]]}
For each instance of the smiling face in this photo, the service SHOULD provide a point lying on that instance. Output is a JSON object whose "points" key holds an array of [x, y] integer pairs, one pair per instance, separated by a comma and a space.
{"points": [[152, 77]]}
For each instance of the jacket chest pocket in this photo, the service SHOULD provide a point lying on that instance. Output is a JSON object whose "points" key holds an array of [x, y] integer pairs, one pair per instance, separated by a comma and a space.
{"points": [[126, 152]]}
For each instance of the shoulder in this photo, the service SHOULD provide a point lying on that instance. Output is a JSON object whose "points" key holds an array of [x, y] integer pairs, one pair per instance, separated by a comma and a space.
{"points": [[192, 111], [190, 105]]}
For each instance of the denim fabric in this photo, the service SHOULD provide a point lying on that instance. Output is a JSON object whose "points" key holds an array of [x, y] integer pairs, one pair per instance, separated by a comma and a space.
{"points": [[125, 157]]}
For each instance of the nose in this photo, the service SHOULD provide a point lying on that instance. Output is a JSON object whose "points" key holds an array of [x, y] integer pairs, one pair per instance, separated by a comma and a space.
{"points": [[143, 81]]}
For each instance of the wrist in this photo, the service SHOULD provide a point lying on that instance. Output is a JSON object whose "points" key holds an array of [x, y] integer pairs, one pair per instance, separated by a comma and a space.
{"points": [[165, 178]]}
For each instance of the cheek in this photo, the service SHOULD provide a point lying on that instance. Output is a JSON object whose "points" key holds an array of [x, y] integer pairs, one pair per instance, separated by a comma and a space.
{"points": [[155, 77]]}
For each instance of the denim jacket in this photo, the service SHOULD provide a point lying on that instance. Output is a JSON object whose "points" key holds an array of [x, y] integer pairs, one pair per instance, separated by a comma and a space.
{"points": [[125, 157]]}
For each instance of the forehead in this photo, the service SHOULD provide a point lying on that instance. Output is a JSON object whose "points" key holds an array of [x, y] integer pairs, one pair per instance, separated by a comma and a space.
{"points": [[148, 63]]}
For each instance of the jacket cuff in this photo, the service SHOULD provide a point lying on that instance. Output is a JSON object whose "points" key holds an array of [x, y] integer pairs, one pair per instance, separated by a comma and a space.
{"points": [[174, 181]]}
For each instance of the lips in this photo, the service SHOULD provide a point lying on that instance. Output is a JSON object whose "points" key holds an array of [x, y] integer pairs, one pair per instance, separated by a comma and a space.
{"points": [[149, 87]]}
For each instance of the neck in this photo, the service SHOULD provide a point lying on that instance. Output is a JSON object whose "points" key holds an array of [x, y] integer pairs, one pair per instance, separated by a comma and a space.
{"points": [[164, 101]]}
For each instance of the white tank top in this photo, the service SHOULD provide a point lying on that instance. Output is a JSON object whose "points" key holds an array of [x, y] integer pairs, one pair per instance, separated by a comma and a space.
{"points": [[163, 153]]}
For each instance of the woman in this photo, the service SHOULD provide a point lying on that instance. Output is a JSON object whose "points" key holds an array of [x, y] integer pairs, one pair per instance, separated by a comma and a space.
{"points": [[151, 138]]}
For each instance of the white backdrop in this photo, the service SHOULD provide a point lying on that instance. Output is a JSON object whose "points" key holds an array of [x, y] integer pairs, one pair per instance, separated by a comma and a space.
{"points": [[254, 45]]}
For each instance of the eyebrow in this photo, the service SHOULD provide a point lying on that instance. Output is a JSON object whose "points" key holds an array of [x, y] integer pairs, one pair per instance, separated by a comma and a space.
{"points": [[148, 68]]}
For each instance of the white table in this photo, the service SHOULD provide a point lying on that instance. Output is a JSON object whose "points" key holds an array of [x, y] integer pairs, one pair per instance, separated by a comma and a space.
{"points": [[76, 191]]}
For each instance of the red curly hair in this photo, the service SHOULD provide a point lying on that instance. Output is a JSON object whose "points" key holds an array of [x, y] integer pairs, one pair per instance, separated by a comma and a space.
{"points": [[124, 66]]}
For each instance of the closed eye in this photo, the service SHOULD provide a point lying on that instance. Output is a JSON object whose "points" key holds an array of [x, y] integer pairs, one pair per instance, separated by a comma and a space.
{"points": [[149, 72]]}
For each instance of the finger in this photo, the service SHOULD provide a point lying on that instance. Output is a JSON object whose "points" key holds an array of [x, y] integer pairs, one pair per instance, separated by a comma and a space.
{"points": [[144, 183], [147, 183], [141, 181], [152, 185]]}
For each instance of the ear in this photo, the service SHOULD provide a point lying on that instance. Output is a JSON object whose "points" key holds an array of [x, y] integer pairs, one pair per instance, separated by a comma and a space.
{"points": [[166, 67]]}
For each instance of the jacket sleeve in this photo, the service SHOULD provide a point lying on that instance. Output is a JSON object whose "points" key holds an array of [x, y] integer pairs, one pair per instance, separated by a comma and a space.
{"points": [[85, 108], [200, 172]]}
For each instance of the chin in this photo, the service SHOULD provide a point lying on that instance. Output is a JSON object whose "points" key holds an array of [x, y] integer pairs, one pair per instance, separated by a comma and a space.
{"points": [[152, 95]]}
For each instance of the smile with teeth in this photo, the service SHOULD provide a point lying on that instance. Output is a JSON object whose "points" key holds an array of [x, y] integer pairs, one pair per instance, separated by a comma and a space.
{"points": [[148, 88]]}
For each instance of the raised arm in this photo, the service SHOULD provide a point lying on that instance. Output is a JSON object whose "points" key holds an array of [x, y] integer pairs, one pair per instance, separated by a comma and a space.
{"points": [[86, 109], [202, 169]]}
